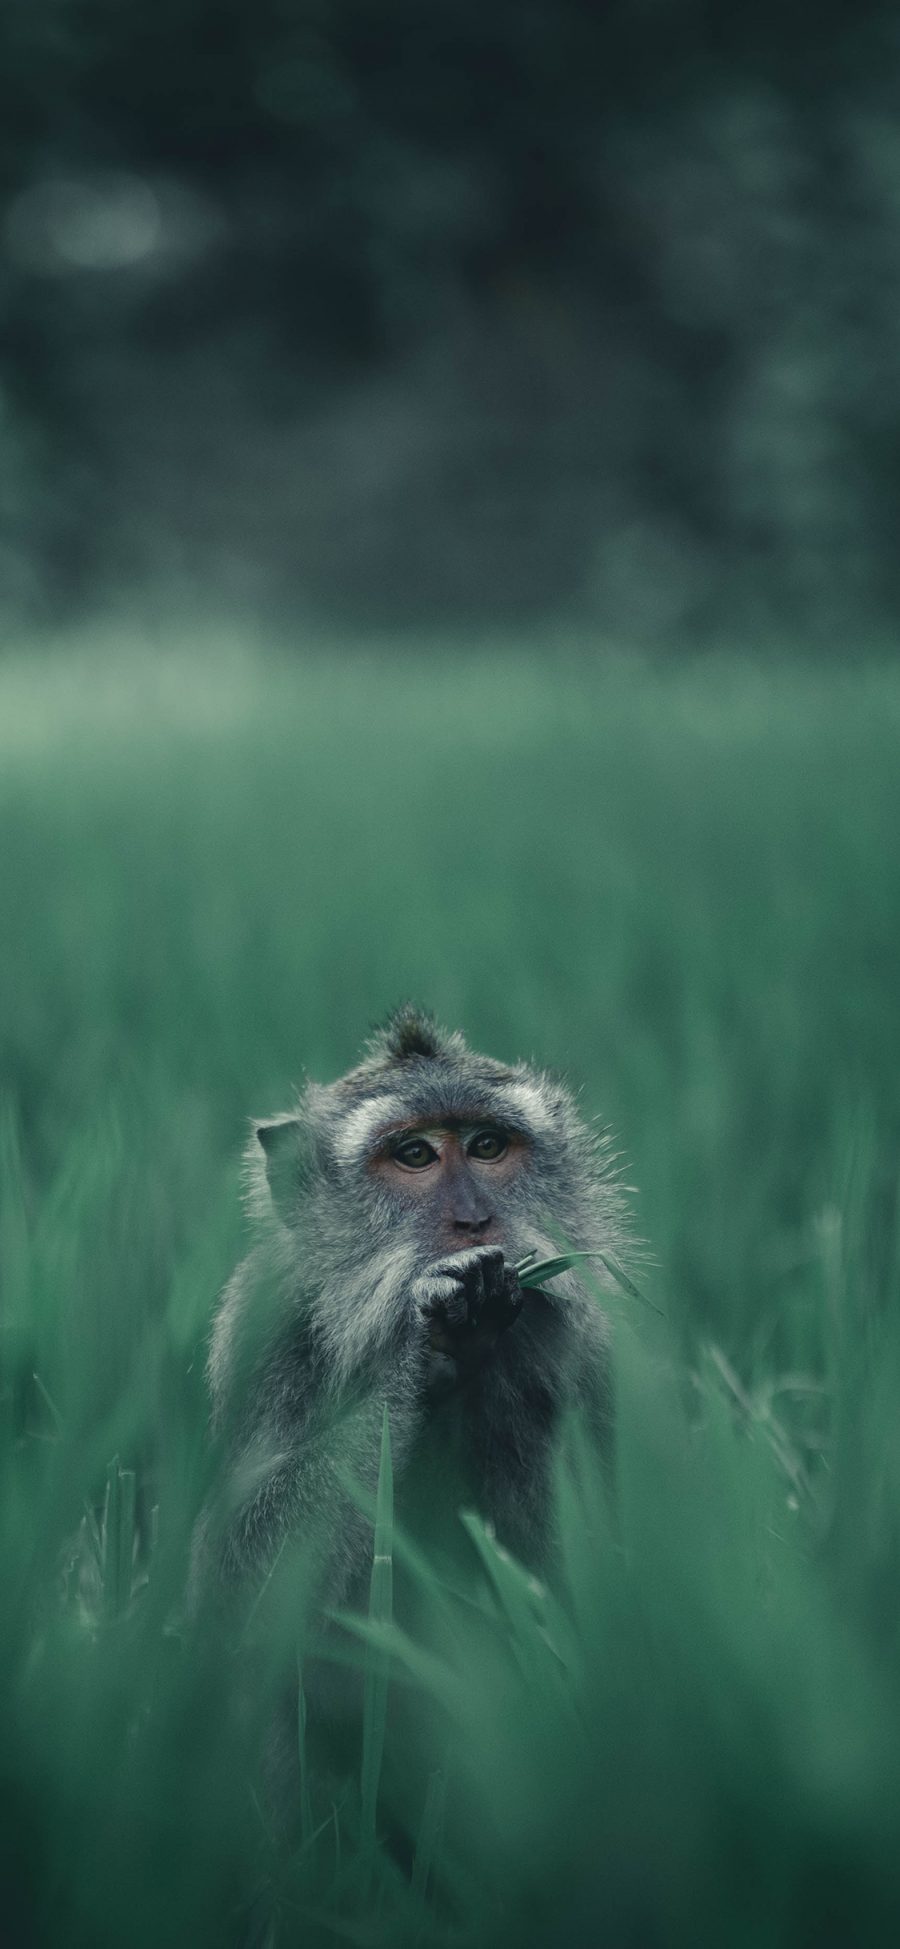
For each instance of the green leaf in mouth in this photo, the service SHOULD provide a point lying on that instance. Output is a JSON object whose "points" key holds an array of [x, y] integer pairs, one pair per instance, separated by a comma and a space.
{"points": [[534, 1272]]}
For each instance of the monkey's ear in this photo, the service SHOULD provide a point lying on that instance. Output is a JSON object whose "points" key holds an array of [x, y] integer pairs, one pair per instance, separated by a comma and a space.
{"points": [[280, 1139]]}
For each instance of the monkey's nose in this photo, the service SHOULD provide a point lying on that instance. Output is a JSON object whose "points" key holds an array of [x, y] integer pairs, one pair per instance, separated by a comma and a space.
{"points": [[473, 1227]]}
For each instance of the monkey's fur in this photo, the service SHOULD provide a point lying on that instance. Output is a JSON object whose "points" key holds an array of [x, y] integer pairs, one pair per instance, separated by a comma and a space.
{"points": [[355, 1295]]}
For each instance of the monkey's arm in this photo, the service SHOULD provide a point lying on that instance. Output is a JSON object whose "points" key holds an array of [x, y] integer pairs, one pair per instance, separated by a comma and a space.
{"points": [[298, 1502], [297, 1451]]}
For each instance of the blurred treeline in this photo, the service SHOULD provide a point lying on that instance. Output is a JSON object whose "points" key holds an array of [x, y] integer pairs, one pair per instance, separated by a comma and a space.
{"points": [[454, 311]]}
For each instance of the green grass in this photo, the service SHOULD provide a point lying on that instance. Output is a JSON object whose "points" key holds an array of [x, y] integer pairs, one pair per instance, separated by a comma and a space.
{"points": [[680, 885]]}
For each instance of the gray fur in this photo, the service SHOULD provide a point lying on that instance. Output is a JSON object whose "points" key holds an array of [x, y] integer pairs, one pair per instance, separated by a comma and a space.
{"points": [[323, 1322]]}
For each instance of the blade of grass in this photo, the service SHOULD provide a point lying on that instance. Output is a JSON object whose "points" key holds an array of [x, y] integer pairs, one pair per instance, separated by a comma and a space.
{"points": [[50, 1404], [409, 1663], [537, 1274], [377, 1664], [306, 1819], [429, 1834], [127, 1512], [110, 1539], [521, 1596], [117, 1536]]}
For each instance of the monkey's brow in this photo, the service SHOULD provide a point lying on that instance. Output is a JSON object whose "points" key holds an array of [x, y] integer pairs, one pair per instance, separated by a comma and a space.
{"points": [[398, 1133], [442, 1121], [373, 1125]]}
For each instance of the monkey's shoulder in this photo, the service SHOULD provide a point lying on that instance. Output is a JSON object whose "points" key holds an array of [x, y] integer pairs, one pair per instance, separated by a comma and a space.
{"points": [[260, 1328]]}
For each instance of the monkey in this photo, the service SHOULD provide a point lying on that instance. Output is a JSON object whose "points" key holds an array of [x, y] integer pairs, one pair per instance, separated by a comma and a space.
{"points": [[390, 1209]]}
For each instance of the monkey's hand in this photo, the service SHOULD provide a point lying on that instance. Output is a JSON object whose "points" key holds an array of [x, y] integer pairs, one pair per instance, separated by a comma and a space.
{"points": [[466, 1302]]}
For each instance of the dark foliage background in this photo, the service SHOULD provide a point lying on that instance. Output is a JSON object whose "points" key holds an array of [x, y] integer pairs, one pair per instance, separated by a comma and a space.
{"points": [[399, 313]]}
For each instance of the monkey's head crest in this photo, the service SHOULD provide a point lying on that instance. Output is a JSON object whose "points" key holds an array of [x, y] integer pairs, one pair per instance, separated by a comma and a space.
{"points": [[411, 1034]]}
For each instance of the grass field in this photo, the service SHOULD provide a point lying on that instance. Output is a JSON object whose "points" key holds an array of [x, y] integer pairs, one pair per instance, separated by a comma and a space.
{"points": [[681, 886]]}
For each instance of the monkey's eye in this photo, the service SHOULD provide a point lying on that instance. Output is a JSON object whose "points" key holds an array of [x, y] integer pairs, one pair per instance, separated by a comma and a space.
{"points": [[488, 1145], [415, 1153]]}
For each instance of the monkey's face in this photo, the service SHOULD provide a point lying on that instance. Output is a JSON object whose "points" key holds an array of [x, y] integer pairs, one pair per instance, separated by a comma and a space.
{"points": [[421, 1152], [458, 1180]]}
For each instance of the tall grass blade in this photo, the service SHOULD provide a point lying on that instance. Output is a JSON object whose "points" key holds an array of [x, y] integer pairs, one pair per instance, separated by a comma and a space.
{"points": [[429, 1834], [306, 1818], [531, 1273], [49, 1404], [521, 1595], [377, 1666], [117, 1536], [109, 1533], [127, 1534]]}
